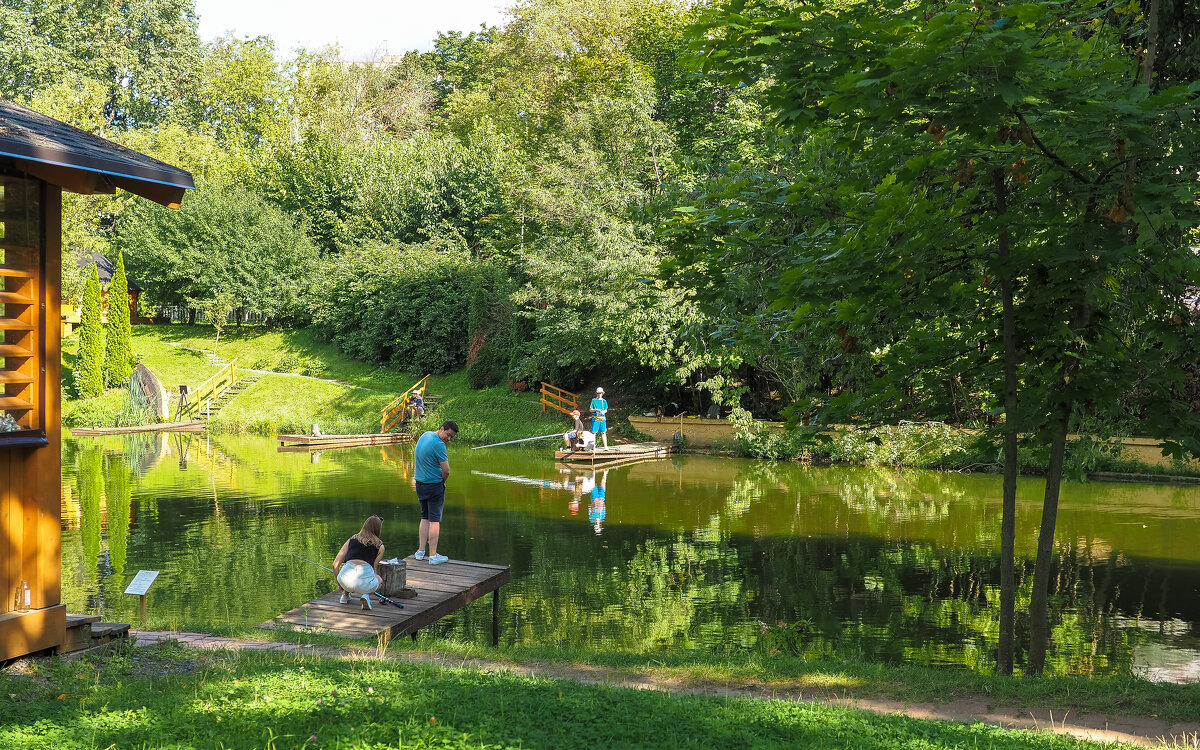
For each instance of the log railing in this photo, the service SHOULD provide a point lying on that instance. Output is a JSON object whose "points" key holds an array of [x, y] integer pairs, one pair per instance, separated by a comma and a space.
{"points": [[558, 399], [199, 402], [397, 411]]}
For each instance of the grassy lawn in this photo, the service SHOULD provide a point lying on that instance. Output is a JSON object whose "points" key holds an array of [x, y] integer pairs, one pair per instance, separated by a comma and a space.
{"points": [[284, 403], [171, 697]]}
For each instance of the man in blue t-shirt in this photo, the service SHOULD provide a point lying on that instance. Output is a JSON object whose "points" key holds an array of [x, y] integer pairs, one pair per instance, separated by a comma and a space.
{"points": [[431, 468], [599, 409]]}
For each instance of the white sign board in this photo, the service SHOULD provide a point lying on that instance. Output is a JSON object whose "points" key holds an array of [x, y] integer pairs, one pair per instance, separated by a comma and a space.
{"points": [[141, 582]]}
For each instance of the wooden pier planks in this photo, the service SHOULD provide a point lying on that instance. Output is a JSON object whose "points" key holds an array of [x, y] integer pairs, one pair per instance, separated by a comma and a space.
{"points": [[441, 590], [312, 443], [614, 455], [191, 425]]}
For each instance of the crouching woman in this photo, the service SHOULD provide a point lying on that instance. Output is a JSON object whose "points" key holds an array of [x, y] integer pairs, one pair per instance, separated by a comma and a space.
{"points": [[356, 560]]}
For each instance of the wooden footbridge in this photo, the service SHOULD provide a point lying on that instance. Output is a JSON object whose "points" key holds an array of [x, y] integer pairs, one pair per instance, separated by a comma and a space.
{"points": [[614, 455], [441, 590]]}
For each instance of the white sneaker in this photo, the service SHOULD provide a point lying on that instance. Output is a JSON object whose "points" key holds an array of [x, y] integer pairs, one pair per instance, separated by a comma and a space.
{"points": [[438, 559], [345, 598], [419, 554]]}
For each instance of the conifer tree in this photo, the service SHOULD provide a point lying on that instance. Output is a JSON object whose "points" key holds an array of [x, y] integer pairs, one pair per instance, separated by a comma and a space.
{"points": [[118, 347], [91, 341]]}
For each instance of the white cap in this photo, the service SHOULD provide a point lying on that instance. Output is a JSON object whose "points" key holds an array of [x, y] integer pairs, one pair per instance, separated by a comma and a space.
{"points": [[599, 389]]}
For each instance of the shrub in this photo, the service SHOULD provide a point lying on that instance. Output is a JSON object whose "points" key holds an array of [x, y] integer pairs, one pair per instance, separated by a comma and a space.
{"points": [[406, 307], [91, 340], [118, 354]]}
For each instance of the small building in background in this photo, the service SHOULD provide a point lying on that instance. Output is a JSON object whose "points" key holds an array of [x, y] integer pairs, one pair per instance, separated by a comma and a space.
{"points": [[39, 158], [72, 310]]}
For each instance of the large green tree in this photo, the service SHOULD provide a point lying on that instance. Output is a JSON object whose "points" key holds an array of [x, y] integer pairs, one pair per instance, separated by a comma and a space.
{"points": [[223, 239], [1007, 203]]}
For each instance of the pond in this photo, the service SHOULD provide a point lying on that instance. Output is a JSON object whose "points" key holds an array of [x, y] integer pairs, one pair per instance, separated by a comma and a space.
{"points": [[686, 553]]}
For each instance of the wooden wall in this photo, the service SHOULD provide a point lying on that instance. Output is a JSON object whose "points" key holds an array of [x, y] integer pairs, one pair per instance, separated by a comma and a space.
{"points": [[30, 471]]}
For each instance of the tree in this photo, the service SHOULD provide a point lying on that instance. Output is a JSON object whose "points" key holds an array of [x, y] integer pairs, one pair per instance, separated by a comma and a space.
{"points": [[968, 227], [91, 339], [223, 238], [118, 345]]}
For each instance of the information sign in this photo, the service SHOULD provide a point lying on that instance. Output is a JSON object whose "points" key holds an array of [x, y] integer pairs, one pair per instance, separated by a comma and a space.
{"points": [[141, 582]]}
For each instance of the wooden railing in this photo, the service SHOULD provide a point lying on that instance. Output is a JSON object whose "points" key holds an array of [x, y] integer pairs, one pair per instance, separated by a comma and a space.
{"points": [[558, 399], [397, 411], [200, 400]]}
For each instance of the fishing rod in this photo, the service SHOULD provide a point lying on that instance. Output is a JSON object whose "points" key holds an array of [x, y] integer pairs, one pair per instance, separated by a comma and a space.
{"points": [[522, 440], [319, 565]]}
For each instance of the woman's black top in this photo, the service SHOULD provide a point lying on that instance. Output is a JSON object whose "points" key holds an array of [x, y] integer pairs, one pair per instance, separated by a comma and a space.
{"points": [[356, 550]]}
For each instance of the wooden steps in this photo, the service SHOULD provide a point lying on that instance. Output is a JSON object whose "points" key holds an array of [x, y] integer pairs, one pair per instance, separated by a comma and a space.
{"points": [[224, 397], [86, 631]]}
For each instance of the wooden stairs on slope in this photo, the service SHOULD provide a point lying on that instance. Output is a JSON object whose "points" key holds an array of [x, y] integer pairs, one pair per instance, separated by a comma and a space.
{"points": [[222, 399]]}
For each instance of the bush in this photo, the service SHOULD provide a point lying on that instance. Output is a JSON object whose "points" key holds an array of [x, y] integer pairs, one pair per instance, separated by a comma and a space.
{"points": [[757, 440], [91, 339], [118, 355], [924, 444], [406, 307], [90, 413]]}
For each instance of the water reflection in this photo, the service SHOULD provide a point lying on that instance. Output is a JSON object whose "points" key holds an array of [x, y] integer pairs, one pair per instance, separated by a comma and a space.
{"points": [[690, 553]]}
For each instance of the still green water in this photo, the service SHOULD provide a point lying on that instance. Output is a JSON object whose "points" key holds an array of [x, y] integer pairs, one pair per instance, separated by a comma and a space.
{"points": [[687, 553]]}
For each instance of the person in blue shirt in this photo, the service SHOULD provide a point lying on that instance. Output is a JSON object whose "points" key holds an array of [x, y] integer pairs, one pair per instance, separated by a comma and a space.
{"points": [[599, 409], [597, 510], [431, 469]]}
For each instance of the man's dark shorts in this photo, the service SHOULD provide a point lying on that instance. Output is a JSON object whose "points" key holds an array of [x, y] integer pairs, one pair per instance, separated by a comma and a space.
{"points": [[432, 497]]}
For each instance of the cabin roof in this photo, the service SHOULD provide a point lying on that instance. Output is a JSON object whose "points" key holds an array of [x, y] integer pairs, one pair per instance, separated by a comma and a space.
{"points": [[105, 268], [81, 162]]}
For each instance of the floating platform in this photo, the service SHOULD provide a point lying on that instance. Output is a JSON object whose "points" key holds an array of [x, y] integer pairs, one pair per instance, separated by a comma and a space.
{"points": [[614, 454], [191, 425], [313, 443], [441, 590]]}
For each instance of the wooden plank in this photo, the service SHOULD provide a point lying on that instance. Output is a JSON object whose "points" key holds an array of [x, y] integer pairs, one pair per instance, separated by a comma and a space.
{"points": [[441, 590], [12, 403], [15, 273], [185, 426], [7, 376], [12, 350], [13, 298]]}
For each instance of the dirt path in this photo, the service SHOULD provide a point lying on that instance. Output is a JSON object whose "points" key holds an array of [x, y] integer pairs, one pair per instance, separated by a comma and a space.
{"points": [[1107, 728]]}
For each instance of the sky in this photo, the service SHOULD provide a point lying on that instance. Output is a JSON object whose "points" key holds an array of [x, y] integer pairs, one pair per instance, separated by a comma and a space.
{"points": [[361, 27]]}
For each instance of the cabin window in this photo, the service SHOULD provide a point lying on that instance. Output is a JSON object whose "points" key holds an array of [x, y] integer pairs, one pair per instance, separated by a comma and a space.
{"points": [[21, 348]]}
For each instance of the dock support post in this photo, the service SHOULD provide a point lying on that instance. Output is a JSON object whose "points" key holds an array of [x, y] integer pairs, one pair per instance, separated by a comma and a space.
{"points": [[496, 617]]}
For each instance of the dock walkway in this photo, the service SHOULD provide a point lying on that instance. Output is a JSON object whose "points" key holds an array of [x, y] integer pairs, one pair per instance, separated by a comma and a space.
{"points": [[441, 590], [314, 443], [613, 455]]}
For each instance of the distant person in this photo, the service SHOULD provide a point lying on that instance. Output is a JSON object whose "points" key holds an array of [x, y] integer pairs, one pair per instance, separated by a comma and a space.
{"points": [[356, 560], [431, 469], [417, 404], [572, 435], [599, 408]]}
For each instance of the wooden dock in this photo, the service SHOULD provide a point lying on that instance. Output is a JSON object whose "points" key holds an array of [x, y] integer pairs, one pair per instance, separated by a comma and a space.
{"points": [[313, 443], [441, 590], [191, 425], [614, 455]]}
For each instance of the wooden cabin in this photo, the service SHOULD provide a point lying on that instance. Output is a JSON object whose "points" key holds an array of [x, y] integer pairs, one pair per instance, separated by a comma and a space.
{"points": [[39, 158], [72, 310]]}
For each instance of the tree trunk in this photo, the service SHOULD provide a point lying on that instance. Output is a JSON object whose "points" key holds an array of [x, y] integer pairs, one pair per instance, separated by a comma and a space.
{"points": [[1039, 606], [1008, 516], [191, 316]]}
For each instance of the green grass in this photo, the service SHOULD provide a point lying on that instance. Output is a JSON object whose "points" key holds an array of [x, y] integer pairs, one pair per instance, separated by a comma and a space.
{"points": [[172, 697], [283, 403]]}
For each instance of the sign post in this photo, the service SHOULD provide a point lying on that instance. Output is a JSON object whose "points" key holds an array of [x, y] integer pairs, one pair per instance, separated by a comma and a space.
{"points": [[139, 586]]}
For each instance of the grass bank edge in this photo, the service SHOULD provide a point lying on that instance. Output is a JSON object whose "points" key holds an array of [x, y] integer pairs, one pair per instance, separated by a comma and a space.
{"points": [[167, 694], [820, 675]]}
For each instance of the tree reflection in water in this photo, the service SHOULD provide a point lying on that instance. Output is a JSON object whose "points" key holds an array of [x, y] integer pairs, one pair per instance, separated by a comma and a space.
{"points": [[692, 553]]}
